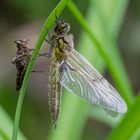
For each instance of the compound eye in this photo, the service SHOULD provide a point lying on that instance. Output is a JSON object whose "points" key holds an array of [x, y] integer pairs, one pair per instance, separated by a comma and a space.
{"points": [[59, 21]]}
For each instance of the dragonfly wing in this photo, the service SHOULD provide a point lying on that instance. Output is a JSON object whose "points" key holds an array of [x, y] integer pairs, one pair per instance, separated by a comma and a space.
{"points": [[80, 78]]}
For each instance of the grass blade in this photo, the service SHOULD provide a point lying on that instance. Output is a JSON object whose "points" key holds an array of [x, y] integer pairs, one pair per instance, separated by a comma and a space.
{"points": [[6, 126]]}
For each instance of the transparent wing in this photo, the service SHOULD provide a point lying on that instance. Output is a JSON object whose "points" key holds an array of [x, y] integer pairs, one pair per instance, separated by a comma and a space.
{"points": [[80, 78]]}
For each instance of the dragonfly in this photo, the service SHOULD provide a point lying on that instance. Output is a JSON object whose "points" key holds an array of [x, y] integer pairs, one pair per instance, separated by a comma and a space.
{"points": [[21, 60], [69, 69]]}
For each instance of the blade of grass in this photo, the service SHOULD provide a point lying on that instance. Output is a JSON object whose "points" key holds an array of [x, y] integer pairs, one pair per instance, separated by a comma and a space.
{"points": [[3, 136], [129, 124], [109, 52], [48, 24], [6, 126], [136, 135], [112, 20]]}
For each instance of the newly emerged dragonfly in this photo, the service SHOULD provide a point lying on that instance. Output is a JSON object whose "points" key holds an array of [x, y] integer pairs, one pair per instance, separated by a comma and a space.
{"points": [[21, 61], [69, 69]]}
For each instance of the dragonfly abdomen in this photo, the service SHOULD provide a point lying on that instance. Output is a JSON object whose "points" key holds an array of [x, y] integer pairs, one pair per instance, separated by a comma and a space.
{"points": [[54, 91], [19, 79]]}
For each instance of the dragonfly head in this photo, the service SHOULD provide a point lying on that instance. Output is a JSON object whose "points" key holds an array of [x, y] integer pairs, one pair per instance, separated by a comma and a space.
{"points": [[61, 27], [22, 44]]}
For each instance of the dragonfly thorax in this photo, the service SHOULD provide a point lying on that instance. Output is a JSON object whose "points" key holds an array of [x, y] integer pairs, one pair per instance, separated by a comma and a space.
{"points": [[60, 50]]}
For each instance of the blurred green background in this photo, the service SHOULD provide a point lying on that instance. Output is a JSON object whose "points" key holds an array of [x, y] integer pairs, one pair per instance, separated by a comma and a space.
{"points": [[20, 19]]}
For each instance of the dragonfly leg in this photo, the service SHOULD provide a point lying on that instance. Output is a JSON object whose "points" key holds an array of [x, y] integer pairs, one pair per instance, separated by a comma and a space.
{"points": [[48, 54], [49, 36], [31, 49], [48, 41], [50, 51], [37, 71], [40, 54], [56, 15], [66, 67]]}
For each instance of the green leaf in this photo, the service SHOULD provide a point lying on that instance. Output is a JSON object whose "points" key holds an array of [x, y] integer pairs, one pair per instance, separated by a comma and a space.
{"points": [[111, 20], [6, 126]]}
